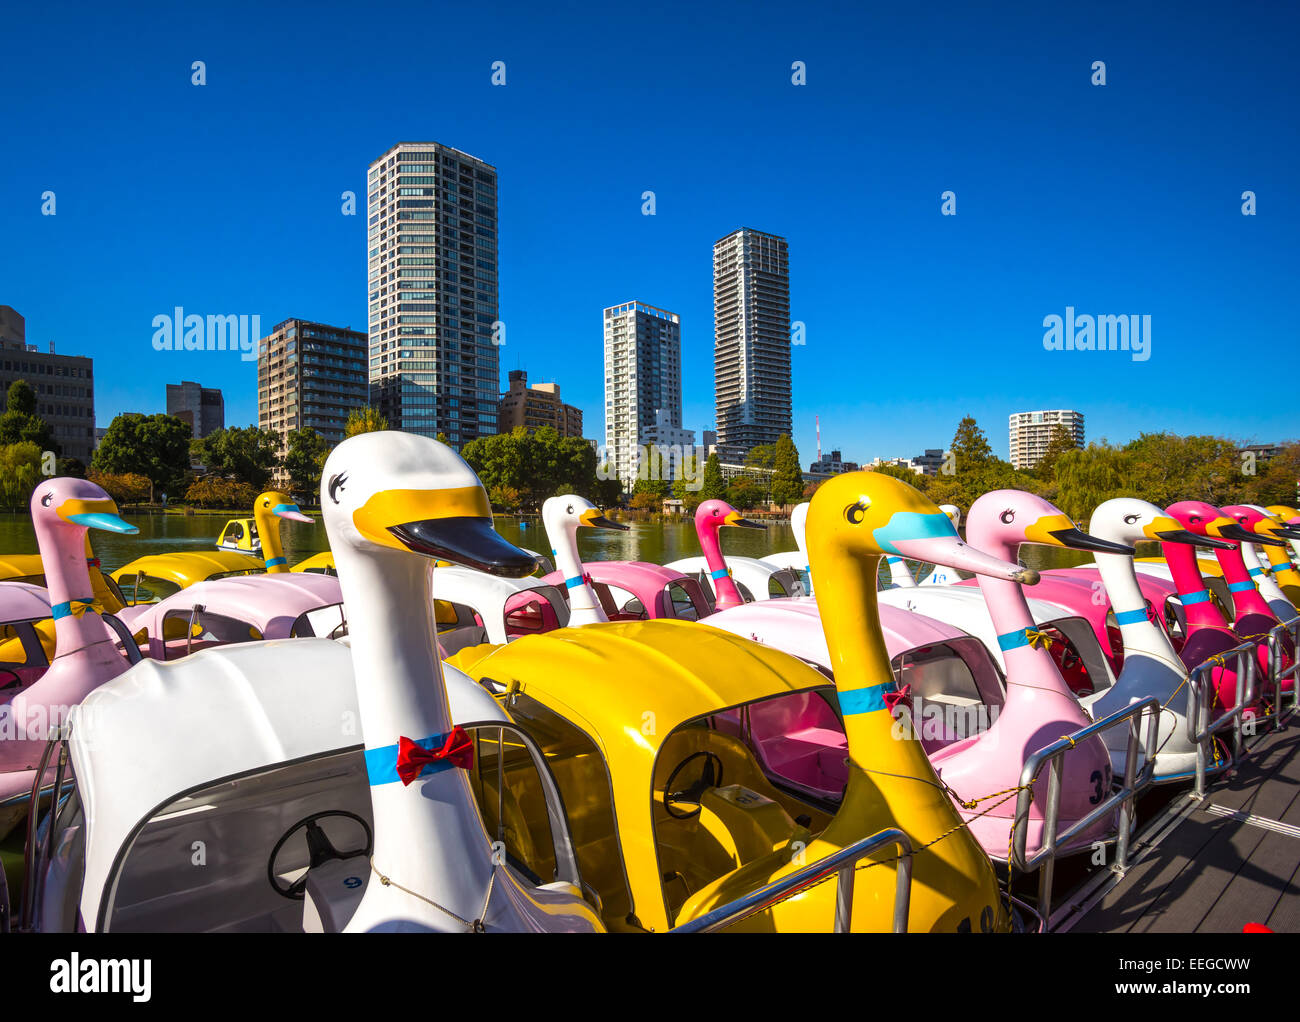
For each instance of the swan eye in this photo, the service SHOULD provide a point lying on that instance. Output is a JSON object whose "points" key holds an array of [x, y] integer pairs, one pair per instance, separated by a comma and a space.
{"points": [[1193, 518], [1131, 519], [854, 513], [47, 500], [336, 485], [1007, 517], [569, 510]]}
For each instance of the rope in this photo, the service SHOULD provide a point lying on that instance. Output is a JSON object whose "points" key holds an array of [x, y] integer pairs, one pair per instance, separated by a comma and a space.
{"points": [[471, 927]]}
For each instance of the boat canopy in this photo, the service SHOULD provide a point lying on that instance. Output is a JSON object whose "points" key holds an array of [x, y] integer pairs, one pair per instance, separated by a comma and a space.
{"points": [[224, 713], [184, 568]]}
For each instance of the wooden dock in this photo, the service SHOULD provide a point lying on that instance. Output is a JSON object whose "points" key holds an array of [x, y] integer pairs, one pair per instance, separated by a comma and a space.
{"points": [[1215, 865]]}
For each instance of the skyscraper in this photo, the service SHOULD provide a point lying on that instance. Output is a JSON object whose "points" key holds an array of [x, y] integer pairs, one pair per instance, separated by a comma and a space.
{"points": [[643, 381], [751, 340], [1031, 432], [309, 376], [432, 242]]}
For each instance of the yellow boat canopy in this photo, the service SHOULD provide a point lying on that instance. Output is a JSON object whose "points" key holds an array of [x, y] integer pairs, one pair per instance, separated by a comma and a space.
{"points": [[322, 562], [184, 569], [629, 686]]}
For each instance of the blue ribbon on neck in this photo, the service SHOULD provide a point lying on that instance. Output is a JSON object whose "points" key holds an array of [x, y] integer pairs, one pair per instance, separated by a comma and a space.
{"points": [[1240, 587], [1256, 571], [1131, 617], [65, 609], [573, 583], [1008, 641], [381, 764], [1188, 599], [720, 573], [865, 700], [275, 562]]}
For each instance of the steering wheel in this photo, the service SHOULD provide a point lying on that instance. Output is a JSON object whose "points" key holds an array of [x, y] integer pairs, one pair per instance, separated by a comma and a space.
{"points": [[14, 678], [319, 849], [691, 795], [1070, 660]]}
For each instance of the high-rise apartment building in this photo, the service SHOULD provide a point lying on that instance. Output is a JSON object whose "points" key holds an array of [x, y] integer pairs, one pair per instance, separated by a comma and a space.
{"points": [[432, 243], [536, 406], [204, 408], [64, 386], [1031, 432], [643, 380], [309, 375], [751, 340]]}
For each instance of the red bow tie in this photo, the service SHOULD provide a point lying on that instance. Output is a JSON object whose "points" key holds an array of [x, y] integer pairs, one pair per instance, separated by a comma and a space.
{"points": [[892, 699], [457, 750]]}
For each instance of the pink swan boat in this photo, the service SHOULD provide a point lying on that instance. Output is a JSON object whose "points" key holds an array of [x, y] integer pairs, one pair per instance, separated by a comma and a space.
{"points": [[601, 591], [733, 580], [62, 510], [1206, 633], [225, 611], [1265, 532]]}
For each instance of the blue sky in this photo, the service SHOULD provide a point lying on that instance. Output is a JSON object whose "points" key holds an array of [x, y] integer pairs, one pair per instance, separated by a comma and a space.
{"points": [[1120, 199]]}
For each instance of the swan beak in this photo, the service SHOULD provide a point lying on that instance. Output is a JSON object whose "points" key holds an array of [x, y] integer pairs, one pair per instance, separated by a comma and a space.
{"points": [[95, 514], [596, 520], [471, 542], [734, 518], [1285, 531], [952, 552], [1191, 539], [1216, 527], [290, 512], [1058, 530], [1235, 531]]}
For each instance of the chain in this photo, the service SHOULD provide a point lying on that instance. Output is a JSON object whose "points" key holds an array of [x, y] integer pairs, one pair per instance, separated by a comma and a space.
{"points": [[472, 927]]}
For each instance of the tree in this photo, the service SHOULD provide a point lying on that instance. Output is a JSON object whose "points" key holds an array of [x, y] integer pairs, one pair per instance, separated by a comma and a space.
{"points": [[1058, 443], [1089, 475], [73, 468], [245, 454], [212, 492], [646, 500], [21, 424], [364, 420], [787, 479], [154, 446], [714, 486], [970, 447], [745, 493], [1166, 468], [535, 465], [127, 488], [1277, 481], [20, 471], [304, 460]]}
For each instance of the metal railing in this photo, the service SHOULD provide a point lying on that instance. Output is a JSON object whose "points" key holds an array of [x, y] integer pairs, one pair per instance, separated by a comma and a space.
{"points": [[1044, 860], [1277, 674], [844, 862], [1200, 697], [33, 859]]}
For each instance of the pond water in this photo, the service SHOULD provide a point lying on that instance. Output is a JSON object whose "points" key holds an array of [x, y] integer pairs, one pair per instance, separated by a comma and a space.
{"points": [[657, 541]]}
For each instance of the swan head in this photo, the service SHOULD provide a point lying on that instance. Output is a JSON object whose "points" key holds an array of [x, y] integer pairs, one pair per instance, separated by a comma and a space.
{"points": [[1012, 517], [71, 503], [1286, 514], [1260, 525], [574, 512], [713, 514], [872, 514], [1131, 520], [1204, 519], [388, 491], [273, 502], [954, 514]]}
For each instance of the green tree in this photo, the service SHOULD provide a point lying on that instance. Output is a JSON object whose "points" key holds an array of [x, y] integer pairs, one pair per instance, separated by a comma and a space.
{"points": [[970, 447], [21, 424], [1058, 443], [715, 487], [231, 494], [127, 488], [787, 479], [1276, 481], [154, 446], [245, 454], [745, 493], [1166, 468], [1087, 476], [20, 471], [72, 468], [304, 460], [364, 420]]}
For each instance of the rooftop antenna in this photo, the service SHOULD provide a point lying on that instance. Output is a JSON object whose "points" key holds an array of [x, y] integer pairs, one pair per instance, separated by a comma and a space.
{"points": [[819, 437]]}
